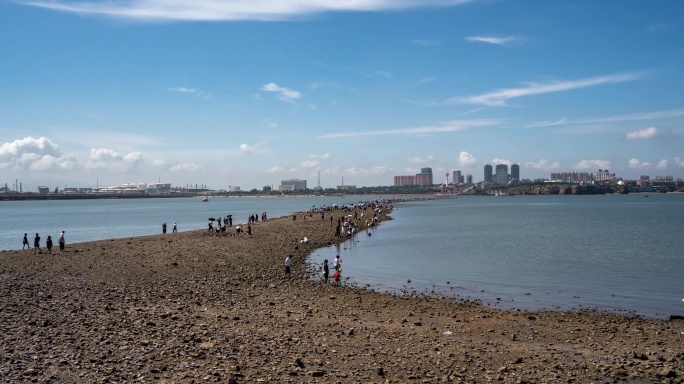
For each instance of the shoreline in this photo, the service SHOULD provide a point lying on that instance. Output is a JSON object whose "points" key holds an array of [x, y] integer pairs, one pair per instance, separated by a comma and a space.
{"points": [[192, 306]]}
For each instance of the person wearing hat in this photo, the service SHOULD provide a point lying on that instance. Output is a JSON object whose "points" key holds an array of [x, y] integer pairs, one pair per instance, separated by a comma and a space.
{"points": [[61, 241]]}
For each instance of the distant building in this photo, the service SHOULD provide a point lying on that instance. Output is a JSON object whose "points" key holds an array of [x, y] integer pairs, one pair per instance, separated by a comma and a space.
{"points": [[488, 173], [604, 175], [644, 178], [43, 190], [422, 179], [292, 185], [664, 179], [501, 175], [458, 178], [573, 177], [233, 188], [469, 179], [267, 188], [346, 187], [515, 173]]}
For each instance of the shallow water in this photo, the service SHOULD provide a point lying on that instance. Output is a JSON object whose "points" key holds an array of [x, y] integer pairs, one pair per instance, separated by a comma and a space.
{"points": [[614, 253]]}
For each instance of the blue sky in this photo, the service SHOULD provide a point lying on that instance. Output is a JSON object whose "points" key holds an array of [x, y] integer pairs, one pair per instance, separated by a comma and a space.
{"points": [[251, 92]]}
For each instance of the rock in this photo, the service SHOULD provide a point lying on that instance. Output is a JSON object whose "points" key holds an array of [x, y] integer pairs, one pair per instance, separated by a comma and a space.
{"points": [[667, 372], [380, 371], [675, 317]]}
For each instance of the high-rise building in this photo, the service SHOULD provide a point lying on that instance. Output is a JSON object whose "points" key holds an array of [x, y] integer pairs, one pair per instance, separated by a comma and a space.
{"points": [[501, 175], [604, 175], [488, 173], [469, 179], [515, 172], [425, 176], [457, 177], [292, 185]]}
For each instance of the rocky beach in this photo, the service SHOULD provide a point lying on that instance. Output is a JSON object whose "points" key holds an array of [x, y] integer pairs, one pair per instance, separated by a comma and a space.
{"points": [[204, 307]]}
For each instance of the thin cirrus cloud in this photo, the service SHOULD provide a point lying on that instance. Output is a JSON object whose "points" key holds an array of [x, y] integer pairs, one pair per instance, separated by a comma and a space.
{"points": [[448, 126], [191, 91], [666, 114], [283, 93], [500, 97], [492, 39], [220, 10]]}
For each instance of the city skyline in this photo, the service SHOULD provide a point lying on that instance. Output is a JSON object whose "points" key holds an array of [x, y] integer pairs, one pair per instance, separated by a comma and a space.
{"points": [[249, 94]]}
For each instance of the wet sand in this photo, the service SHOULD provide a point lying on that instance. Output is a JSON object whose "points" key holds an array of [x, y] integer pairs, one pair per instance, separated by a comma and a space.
{"points": [[195, 307]]}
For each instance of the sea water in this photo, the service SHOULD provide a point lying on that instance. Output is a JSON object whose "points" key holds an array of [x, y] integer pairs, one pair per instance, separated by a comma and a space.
{"points": [[100, 219], [622, 253]]}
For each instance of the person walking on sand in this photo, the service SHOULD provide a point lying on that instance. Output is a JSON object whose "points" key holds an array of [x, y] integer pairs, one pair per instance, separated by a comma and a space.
{"points": [[164, 229], [48, 244], [288, 263], [326, 271], [61, 241], [26, 243], [36, 244], [175, 228]]}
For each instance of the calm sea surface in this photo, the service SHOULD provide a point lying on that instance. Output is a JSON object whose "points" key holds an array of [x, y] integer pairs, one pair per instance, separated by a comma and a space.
{"points": [[99, 219], [615, 253]]}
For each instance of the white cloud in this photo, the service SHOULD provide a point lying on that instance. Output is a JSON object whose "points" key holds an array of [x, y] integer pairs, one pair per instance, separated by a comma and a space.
{"points": [[501, 161], [667, 114], [283, 93], [679, 161], [245, 148], [499, 98], [491, 39], [159, 163], [310, 163], [218, 10], [637, 164], [185, 168], [274, 169], [448, 126], [419, 160], [103, 158], [593, 164], [543, 165], [369, 171], [466, 160], [34, 154], [643, 134], [192, 91]]}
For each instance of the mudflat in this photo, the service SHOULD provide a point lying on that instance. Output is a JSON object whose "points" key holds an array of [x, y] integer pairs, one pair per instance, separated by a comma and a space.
{"points": [[200, 307]]}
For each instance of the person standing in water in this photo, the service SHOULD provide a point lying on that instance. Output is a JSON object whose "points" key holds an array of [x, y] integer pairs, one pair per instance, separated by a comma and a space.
{"points": [[326, 271]]}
